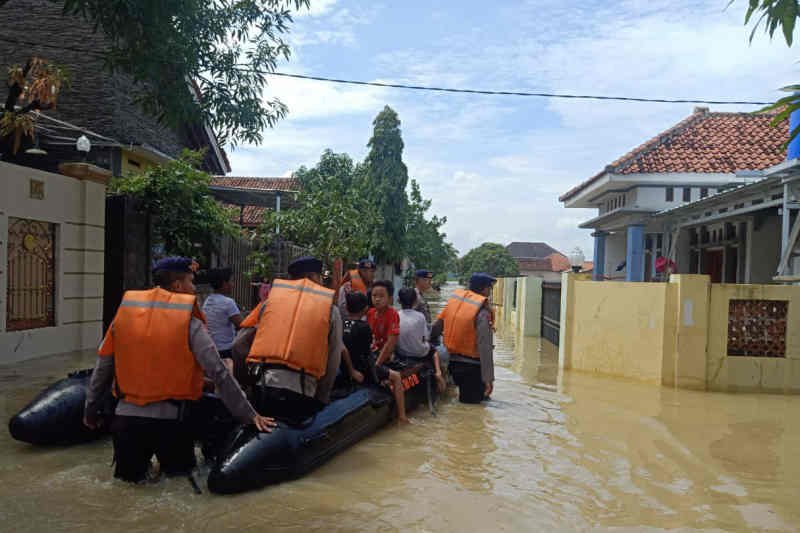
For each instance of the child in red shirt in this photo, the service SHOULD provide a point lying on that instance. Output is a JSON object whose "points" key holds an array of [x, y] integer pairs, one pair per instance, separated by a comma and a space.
{"points": [[385, 324]]}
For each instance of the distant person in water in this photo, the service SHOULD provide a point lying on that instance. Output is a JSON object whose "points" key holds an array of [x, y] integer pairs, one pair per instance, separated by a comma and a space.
{"points": [[466, 323], [222, 313], [422, 285], [413, 342], [156, 353], [358, 280]]}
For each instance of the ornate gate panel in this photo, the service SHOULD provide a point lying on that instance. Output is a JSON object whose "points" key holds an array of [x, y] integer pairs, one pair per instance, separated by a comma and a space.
{"points": [[31, 274]]}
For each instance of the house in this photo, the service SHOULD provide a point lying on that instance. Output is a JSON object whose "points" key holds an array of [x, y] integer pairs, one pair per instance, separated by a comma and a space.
{"points": [[540, 260], [687, 171], [253, 196], [96, 104], [67, 251]]}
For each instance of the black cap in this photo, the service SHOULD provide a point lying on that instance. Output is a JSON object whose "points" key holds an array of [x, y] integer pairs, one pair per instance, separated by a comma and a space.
{"points": [[480, 280], [422, 273], [366, 263], [304, 265], [175, 264]]}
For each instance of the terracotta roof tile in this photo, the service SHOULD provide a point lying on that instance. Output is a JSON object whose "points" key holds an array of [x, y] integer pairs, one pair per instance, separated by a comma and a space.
{"points": [[251, 216], [257, 183], [704, 142]]}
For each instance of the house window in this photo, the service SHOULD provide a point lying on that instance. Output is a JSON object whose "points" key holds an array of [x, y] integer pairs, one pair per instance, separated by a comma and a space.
{"points": [[687, 194], [31, 274], [703, 192], [670, 194]]}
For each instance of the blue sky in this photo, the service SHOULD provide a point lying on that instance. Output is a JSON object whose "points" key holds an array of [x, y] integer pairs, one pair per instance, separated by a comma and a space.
{"points": [[495, 166]]}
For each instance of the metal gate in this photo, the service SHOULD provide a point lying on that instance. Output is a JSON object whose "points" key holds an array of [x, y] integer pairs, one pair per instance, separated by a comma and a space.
{"points": [[31, 274], [551, 311]]}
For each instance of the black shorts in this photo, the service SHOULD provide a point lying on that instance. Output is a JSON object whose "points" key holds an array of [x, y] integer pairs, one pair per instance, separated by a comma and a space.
{"points": [[226, 354], [137, 439], [467, 377]]}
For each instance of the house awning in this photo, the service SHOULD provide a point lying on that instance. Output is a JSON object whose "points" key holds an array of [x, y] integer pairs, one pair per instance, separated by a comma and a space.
{"points": [[618, 218]]}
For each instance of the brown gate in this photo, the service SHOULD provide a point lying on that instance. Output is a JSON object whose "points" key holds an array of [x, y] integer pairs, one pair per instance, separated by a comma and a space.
{"points": [[31, 274], [551, 311]]}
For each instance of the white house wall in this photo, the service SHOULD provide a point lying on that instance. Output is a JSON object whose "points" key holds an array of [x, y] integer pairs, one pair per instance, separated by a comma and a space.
{"points": [[616, 247], [77, 209]]}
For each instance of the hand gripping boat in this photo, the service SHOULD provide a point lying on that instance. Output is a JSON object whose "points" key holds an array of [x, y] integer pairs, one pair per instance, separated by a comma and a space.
{"points": [[55, 416], [252, 460]]}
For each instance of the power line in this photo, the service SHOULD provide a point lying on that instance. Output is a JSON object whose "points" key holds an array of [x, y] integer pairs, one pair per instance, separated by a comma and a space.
{"points": [[437, 89], [518, 93]]}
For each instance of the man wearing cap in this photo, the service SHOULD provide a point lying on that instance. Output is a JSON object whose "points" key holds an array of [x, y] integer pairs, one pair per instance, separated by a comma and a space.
{"points": [[359, 280], [466, 322], [422, 283], [156, 352], [294, 344]]}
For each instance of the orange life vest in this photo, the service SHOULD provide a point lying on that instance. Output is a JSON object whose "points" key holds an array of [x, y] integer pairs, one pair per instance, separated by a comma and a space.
{"points": [[149, 339], [293, 327], [251, 320], [357, 282], [460, 336]]}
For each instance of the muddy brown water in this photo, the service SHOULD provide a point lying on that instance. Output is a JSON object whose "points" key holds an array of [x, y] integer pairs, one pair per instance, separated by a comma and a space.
{"points": [[550, 451]]}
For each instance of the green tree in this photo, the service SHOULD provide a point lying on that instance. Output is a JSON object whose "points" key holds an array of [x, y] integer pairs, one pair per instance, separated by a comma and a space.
{"points": [[223, 49], [489, 257], [774, 15], [426, 245], [190, 221], [334, 218], [386, 177]]}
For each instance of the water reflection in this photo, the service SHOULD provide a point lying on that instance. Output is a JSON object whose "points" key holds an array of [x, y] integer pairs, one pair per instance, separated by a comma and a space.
{"points": [[567, 451]]}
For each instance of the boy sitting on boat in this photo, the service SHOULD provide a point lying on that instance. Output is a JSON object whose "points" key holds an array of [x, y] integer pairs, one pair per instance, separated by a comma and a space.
{"points": [[412, 343], [384, 322]]}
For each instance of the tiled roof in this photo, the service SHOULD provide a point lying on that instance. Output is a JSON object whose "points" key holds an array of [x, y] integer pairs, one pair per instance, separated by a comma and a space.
{"points": [[531, 250], [704, 142], [251, 216], [255, 183], [556, 262]]}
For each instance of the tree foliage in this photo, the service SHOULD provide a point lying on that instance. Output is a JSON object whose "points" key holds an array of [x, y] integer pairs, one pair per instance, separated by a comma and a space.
{"points": [[222, 48], [334, 218], [426, 245], [32, 87], [489, 257], [189, 219], [386, 177], [773, 15]]}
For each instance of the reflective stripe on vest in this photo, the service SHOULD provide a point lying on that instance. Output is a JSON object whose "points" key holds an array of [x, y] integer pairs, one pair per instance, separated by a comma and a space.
{"points": [[357, 282], [294, 326], [149, 339], [460, 336]]}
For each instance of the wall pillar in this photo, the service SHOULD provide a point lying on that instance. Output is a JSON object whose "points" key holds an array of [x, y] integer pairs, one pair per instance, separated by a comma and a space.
{"points": [[567, 319], [687, 366], [599, 255], [634, 259]]}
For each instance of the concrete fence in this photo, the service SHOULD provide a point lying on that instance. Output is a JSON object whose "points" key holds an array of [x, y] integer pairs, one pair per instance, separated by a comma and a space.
{"points": [[686, 333], [518, 305]]}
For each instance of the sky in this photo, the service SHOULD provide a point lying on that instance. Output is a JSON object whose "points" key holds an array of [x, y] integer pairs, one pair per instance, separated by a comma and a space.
{"points": [[495, 165]]}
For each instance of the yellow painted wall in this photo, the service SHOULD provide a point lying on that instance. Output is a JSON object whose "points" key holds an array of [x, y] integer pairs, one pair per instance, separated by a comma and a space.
{"points": [[732, 373], [524, 317], [127, 168], [619, 328]]}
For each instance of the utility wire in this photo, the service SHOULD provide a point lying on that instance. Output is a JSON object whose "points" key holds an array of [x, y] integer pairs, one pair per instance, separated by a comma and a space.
{"points": [[433, 88]]}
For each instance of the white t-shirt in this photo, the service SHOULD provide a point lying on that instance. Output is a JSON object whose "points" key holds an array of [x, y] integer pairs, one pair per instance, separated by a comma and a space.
{"points": [[218, 309], [413, 338]]}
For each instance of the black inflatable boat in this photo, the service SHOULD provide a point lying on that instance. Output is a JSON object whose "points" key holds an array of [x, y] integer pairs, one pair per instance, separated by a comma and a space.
{"points": [[252, 460], [55, 415]]}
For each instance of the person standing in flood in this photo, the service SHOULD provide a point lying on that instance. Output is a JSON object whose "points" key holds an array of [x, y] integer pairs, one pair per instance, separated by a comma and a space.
{"points": [[156, 352], [294, 344], [422, 284], [466, 323], [222, 313]]}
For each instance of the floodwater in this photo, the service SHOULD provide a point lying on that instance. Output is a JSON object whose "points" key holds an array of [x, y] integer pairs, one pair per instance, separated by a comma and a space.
{"points": [[550, 451]]}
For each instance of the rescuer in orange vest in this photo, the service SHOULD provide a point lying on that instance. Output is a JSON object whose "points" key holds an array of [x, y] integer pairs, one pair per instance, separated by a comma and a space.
{"points": [[295, 349], [359, 280], [156, 352], [466, 322]]}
